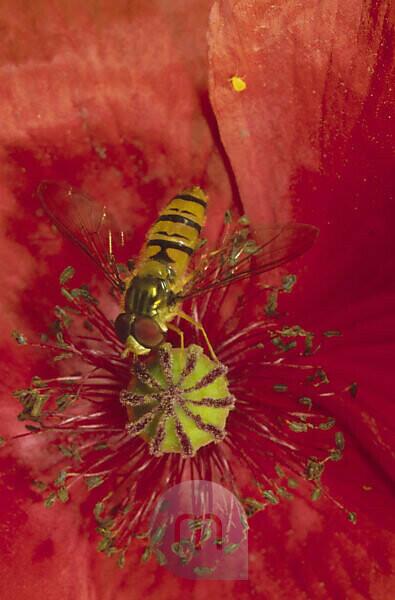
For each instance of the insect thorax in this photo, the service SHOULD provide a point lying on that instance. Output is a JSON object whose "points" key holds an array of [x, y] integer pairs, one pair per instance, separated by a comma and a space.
{"points": [[147, 295]]}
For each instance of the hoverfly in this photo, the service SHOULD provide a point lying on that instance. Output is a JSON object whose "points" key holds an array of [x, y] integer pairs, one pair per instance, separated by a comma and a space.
{"points": [[162, 278]]}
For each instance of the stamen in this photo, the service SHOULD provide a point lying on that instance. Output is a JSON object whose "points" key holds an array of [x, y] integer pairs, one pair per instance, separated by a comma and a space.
{"points": [[174, 428]]}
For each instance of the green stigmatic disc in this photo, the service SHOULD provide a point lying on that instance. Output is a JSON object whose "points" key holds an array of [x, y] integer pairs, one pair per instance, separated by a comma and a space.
{"points": [[179, 402]]}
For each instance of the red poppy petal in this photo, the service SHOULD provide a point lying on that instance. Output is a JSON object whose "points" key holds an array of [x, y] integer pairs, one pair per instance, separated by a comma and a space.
{"points": [[113, 101], [313, 126], [309, 68], [97, 148], [310, 138], [108, 98], [41, 549]]}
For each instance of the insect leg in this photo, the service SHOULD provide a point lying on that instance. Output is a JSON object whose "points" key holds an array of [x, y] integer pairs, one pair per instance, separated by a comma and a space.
{"points": [[178, 331], [200, 327]]}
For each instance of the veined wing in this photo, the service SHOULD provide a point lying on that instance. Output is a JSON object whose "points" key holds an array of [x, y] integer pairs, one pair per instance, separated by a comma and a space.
{"points": [[87, 224], [248, 253]]}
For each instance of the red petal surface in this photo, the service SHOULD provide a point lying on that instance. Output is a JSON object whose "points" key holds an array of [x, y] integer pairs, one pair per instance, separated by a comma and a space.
{"points": [[311, 138], [113, 98]]}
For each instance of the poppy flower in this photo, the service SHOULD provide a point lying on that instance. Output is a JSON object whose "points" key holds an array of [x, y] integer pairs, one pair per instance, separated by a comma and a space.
{"points": [[289, 145]]}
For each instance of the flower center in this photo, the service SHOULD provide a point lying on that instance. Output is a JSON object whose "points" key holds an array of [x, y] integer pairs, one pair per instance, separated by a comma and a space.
{"points": [[178, 402], [168, 399]]}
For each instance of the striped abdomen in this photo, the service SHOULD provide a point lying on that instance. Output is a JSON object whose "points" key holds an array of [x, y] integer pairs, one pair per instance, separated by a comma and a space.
{"points": [[175, 234]]}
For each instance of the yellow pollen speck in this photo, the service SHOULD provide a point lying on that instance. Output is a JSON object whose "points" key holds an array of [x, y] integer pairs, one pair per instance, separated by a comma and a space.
{"points": [[238, 83]]}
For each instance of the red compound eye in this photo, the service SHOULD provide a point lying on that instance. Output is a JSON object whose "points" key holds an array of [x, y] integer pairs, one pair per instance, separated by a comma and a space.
{"points": [[147, 332], [122, 326]]}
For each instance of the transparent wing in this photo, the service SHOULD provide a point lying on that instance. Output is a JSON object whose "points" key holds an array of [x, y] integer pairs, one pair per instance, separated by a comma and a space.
{"points": [[88, 225], [248, 253]]}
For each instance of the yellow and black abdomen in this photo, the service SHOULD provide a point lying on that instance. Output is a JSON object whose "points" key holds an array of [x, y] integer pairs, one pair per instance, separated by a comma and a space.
{"points": [[175, 234]]}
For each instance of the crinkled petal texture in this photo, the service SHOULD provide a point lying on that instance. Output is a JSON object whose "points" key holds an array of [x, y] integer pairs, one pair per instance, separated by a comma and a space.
{"points": [[112, 97], [314, 126]]}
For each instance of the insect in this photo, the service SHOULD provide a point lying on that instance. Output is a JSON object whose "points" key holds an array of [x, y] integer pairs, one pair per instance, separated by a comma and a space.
{"points": [[162, 278]]}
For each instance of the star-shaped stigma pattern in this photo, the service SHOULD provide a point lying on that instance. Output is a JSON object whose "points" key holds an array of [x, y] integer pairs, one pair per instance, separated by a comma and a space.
{"points": [[169, 399]]}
